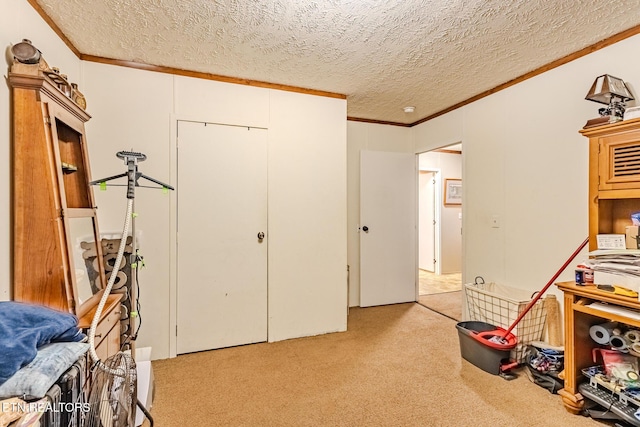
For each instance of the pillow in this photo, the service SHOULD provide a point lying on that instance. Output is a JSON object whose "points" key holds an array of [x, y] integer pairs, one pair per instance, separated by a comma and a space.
{"points": [[26, 327], [33, 380]]}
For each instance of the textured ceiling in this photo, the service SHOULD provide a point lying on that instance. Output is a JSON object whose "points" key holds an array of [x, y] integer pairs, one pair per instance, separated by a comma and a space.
{"points": [[384, 55]]}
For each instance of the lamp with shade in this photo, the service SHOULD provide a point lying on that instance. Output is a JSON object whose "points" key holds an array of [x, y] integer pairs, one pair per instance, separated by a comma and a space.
{"points": [[613, 92]]}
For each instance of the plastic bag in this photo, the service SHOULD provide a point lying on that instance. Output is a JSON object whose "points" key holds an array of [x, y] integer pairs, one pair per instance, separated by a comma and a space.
{"points": [[623, 367]]}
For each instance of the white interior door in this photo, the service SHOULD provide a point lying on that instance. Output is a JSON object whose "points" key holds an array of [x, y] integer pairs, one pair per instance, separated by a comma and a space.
{"points": [[387, 228], [427, 220], [222, 263]]}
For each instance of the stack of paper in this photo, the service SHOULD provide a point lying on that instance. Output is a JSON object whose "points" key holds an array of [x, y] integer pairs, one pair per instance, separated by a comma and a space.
{"points": [[616, 267]]}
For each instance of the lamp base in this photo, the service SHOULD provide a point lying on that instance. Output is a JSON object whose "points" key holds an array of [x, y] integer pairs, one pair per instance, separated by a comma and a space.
{"points": [[600, 121]]}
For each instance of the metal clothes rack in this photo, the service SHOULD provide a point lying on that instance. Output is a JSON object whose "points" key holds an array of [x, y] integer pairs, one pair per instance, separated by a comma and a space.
{"points": [[133, 175]]}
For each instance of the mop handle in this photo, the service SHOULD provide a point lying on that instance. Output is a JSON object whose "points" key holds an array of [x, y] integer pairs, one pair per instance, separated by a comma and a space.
{"points": [[553, 279]]}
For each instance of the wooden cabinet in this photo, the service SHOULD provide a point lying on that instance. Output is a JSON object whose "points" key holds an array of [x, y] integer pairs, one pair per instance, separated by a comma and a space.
{"points": [[579, 316], [614, 177], [614, 194], [618, 156], [54, 212]]}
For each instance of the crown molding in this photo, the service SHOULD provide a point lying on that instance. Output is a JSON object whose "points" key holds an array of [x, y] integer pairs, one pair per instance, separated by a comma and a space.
{"points": [[170, 70], [208, 76], [378, 122], [550, 66]]}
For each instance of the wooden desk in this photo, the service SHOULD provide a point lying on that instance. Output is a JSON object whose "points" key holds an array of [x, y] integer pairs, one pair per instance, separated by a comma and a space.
{"points": [[578, 318]]}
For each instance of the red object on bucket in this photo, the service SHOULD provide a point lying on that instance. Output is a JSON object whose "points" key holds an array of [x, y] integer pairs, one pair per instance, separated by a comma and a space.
{"points": [[486, 336], [498, 339]]}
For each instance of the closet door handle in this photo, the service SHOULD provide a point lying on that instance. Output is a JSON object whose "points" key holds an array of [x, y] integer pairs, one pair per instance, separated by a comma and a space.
{"points": [[260, 235]]}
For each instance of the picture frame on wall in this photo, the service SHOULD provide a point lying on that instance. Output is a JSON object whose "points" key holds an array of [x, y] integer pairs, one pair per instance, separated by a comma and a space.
{"points": [[452, 192]]}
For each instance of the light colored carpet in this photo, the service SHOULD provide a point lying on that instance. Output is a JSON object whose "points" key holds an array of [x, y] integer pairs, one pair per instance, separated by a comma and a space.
{"points": [[448, 304], [397, 365], [431, 283], [441, 293]]}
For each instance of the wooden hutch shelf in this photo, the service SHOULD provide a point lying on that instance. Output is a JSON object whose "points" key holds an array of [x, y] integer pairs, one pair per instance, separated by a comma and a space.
{"points": [[54, 211], [614, 194]]}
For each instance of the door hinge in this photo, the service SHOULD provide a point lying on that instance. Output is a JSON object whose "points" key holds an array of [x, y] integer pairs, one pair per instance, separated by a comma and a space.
{"points": [[434, 261], [434, 222], [176, 330], [47, 120]]}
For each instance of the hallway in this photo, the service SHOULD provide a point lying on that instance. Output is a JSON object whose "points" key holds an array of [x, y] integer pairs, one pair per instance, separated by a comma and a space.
{"points": [[441, 293], [431, 283]]}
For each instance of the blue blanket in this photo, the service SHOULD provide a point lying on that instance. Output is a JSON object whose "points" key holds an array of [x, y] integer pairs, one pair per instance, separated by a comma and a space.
{"points": [[25, 327]]}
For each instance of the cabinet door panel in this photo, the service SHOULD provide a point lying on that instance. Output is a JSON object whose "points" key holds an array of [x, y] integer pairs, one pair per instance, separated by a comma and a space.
{"points": [[619, 161], [39, 275]]}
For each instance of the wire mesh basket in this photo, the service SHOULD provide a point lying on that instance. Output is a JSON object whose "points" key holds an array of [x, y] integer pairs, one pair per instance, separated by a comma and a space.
{"points": [[500, 305]]}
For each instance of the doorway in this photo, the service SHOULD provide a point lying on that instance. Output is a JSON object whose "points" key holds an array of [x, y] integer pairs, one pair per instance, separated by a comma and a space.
{"points": [[440, 231], [222, 236]]}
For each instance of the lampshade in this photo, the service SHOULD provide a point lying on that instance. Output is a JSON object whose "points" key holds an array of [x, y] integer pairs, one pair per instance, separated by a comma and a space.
{"points": [[606, 87]]}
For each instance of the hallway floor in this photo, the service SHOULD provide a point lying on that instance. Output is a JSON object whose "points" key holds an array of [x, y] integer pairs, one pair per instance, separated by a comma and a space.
{"points": [[441, 293], [431, 283]]}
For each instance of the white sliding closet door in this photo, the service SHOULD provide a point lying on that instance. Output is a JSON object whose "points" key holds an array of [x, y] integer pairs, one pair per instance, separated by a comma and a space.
{"points": [[222, 261]]}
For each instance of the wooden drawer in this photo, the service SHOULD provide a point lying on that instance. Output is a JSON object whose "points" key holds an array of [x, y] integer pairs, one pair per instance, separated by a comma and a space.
{"points": [[107, 339], [107, 323]]}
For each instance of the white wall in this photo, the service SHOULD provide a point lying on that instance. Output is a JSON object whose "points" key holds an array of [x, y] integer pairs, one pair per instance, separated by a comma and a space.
{"points": [[365, 136], [137, 110], [19, 20], [307, 215], [450, 166], [525, 162], [439, 132], [131, 110]]}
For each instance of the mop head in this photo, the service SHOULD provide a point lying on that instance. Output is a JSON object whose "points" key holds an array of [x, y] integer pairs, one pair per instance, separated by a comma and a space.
{"points": [[498, 340]]}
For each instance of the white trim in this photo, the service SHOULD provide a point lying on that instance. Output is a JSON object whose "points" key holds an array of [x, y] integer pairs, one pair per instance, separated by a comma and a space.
{"points": [[173, 239], [437, 200]]}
